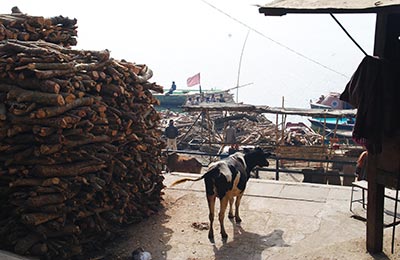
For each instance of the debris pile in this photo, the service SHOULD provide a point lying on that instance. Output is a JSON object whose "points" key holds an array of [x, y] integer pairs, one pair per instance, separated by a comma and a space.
{"points": [[197, 132], [80, 147]]}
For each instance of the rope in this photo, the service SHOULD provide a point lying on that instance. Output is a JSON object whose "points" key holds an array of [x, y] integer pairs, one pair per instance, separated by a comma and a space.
{"points": [[348, 34]]}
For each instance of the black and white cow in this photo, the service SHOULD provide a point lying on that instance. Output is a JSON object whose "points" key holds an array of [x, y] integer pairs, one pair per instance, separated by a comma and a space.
{"points": [[227, 179]]}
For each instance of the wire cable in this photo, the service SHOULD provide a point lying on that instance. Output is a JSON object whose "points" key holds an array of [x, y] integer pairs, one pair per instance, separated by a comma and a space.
{"points": [[276, 42], [348, 34]]}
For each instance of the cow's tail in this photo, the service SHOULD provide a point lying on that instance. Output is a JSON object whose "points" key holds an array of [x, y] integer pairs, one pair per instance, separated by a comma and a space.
{"points": [[185, 180], [210, 171]]}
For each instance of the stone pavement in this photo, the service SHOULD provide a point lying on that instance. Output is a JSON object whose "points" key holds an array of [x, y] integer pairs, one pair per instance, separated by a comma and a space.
{"points": [[280, 220]]}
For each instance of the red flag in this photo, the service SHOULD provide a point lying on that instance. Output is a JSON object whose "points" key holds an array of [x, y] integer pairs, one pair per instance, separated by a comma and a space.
{"points": [[192, 81]]}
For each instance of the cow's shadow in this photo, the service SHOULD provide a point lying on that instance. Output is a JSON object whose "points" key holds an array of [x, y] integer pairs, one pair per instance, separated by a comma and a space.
{"points": [[247, 245]]}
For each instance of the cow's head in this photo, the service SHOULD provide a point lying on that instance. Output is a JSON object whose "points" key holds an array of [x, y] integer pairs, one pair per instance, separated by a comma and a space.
{"points": [[256, 157]]}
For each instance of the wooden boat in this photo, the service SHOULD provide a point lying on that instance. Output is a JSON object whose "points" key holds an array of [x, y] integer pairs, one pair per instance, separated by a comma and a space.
{"points": [[179, 97], [330, 101], [332, 123]]}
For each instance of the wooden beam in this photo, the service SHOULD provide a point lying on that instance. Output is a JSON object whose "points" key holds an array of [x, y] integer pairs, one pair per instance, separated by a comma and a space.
{"points": [[380, 34], [375, 190], [375, 207]]}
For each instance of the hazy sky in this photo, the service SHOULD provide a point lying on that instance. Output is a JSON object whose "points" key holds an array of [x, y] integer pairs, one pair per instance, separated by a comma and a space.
{"points": [[179, 38]]}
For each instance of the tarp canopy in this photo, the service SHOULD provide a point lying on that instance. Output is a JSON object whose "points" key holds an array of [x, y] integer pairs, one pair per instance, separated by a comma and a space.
{"points": [[282, 7]]}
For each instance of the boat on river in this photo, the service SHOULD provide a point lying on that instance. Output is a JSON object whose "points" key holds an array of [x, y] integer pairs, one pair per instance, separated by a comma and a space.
{"points": [[345, 124], [331, 101], [180, 97]]}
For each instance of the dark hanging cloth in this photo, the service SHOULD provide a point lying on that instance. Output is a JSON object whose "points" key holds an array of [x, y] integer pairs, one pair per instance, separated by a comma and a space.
{"points": [[374, 90]]}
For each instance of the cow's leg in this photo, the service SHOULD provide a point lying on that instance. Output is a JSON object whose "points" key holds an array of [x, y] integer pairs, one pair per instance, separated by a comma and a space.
{"points": [[237, 204], [230, 215], [211, 208], [224, 204]]}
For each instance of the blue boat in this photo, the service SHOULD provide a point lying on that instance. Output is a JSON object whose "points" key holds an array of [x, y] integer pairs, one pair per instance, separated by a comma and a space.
{"points": [[331, 101], [346, 124]]}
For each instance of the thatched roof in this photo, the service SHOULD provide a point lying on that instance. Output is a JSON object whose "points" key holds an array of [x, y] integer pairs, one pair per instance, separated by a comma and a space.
{"points": [[281, 7]]}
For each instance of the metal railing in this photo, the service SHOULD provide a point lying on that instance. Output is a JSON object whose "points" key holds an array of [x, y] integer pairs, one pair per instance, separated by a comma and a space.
{"points": [[277, 169]]}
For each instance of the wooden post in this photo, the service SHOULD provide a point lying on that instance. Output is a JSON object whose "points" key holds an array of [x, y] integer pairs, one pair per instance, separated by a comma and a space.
{"points": [[332, 139], [375, 190], [209, 132], [374, 208], [277, 169], [283, 122], [277, 130], [386, 46]]}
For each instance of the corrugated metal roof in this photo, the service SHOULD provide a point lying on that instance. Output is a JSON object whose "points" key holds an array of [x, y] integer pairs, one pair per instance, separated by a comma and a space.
{"points": [[281, 7]]}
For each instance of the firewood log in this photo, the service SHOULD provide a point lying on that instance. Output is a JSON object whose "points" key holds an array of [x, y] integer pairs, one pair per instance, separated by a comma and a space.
{"points": [[25, 243], [18, 129], [3, 111], [71, 169], [46, 112], [34, 182], [35, 219], [91, 160], [39, 249], [22, 95]]}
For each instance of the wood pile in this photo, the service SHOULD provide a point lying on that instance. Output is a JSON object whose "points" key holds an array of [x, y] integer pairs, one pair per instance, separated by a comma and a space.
{"points": [[80, 148], [252, 129], [60, 30]]}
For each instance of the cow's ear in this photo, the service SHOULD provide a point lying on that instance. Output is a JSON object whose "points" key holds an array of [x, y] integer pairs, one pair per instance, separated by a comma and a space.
{"points": [[246, 150], [258, 148], [267, 154]]}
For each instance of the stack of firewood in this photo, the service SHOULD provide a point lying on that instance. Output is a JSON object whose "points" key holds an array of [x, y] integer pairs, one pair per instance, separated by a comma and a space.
{"points": [[60, 30], [80, 147]]}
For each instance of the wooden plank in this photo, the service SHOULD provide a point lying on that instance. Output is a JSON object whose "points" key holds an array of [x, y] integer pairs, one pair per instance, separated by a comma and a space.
{"points": [[307, 152], [282, 7]]}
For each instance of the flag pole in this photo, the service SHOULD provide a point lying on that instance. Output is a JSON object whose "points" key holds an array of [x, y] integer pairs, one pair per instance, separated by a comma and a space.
{"points": [[199, 84]]}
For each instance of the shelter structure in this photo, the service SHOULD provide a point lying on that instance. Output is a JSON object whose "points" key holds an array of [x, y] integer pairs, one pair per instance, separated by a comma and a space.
{"points": [[204, 110], [383, 167]]}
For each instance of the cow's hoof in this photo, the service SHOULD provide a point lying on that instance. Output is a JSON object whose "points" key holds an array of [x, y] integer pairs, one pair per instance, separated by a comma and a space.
{"points": [[230, 215], [211, 237], [238, 220], [224, 235]]}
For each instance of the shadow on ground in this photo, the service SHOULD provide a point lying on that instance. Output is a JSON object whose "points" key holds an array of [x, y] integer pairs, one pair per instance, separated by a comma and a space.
{"points": [[248, 245], [151, 235]]}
